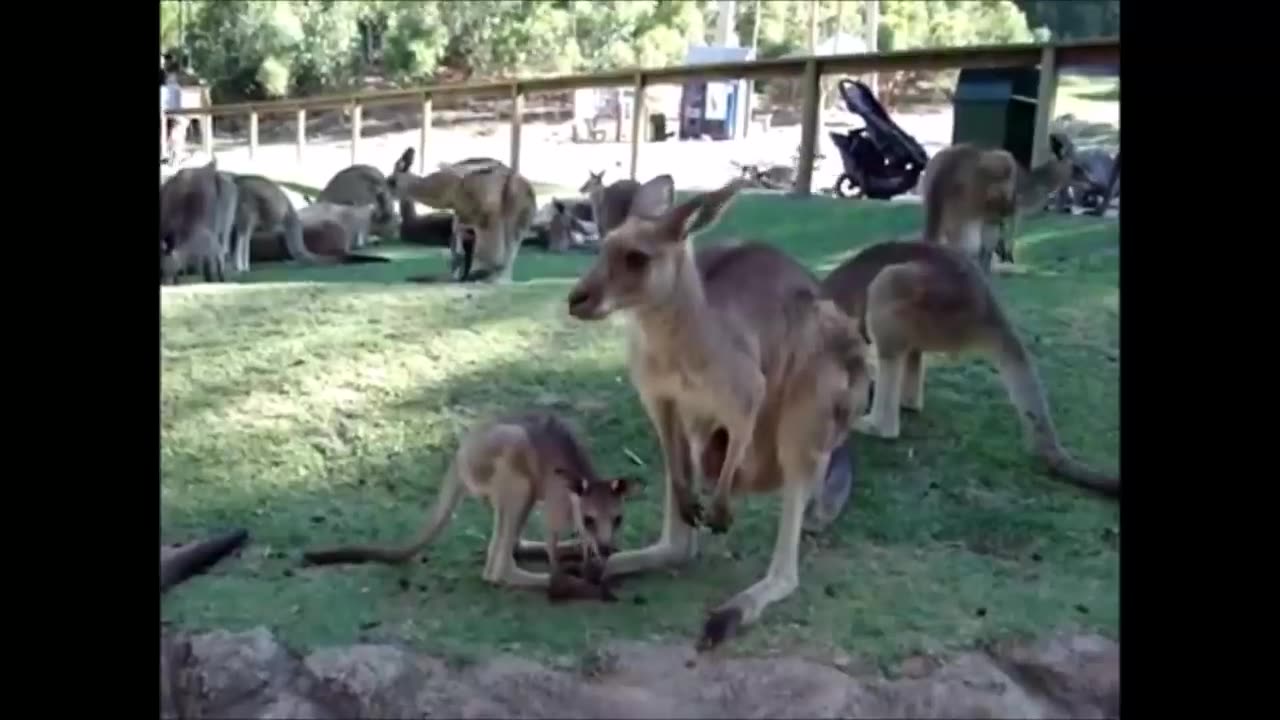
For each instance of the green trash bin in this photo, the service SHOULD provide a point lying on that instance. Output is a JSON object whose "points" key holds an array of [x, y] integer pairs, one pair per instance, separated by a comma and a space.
{"points": [[996, 107]]}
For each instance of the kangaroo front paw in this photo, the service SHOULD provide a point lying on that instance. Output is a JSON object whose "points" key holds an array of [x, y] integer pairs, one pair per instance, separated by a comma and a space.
{"points": [[721, 517], [691, 510]]}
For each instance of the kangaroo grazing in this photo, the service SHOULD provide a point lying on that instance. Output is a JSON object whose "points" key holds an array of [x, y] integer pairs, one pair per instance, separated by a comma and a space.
{"points": [[969, 192], [195, 209], [491, 203], [263, 207], [916, 297], [609, 204], [738, 365], [516, 462]]}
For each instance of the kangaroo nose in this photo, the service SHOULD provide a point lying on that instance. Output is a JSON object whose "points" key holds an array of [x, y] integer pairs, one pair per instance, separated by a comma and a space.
{"points": [[605, 550], [578, 299]]}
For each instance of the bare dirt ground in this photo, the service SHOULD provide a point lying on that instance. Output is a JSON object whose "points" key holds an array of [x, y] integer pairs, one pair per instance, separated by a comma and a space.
{"points": [[252, 675]]}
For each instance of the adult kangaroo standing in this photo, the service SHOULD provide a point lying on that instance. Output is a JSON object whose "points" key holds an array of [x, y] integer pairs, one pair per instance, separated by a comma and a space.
{"points": [[738, 364]]}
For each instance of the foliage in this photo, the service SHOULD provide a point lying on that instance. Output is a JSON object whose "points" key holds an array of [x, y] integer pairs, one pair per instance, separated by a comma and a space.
{"points": [[273, 77], [325, 44], [1073, 20]]}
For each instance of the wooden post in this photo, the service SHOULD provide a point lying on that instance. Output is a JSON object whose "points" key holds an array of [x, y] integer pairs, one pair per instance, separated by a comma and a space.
{"points": [[253, 134], [517, 110], [617, 128], [302, 132], [871, 27], [356, 116], [424, 134], [751, 84], [808, 129], [637, 123], [164, 136], [1045, 97], [206, 128]]}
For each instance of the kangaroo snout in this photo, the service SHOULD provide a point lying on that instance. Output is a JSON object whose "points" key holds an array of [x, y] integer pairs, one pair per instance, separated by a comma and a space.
{"points": [[585, 303]]}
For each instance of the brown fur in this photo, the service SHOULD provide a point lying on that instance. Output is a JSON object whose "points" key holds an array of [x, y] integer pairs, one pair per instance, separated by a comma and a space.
{"points": [[361, 185], [516, 462], [194, 225], [359, 220], [917, 297], [611, 203], [490, 202], [1034, 189], [264, 208], [968, 190], [738, 366]]}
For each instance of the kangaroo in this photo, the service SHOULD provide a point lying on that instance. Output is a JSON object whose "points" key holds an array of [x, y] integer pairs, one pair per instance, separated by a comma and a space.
{"points": [[916, 297], [738, 364], [194, 204], [359, 220], [364, 184], [263, 207], [491, 202], [515, 462], [609, 204], [1034, 189], [562, 231], [968, 192]]}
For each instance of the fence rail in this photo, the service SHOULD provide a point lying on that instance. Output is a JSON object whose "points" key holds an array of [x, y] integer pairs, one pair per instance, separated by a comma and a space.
{"points": [[1049, 57]]}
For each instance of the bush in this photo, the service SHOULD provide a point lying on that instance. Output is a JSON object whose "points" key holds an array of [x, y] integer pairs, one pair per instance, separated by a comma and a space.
{"points": [[273, 78]]}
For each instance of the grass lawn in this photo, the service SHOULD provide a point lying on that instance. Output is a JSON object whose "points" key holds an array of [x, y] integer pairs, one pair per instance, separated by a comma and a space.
{"points": [[315, 406]]}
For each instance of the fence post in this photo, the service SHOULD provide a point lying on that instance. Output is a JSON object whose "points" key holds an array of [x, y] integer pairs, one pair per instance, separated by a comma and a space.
{"points": [[164, 136], [426, 131], [808, 129], [253, 135], [207, 131], [356, 117], [637, 122], [302, 131], [1045, 97], [517, 109]]}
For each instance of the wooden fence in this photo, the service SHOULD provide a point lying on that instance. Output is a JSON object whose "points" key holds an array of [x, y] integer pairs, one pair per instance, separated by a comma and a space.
{"points": [[1049, 58]]}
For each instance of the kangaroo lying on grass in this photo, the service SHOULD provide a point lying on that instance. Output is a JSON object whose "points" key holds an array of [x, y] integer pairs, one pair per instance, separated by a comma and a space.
{"points": [[969, 192], [609, 204], [918, 297], [361, 185], [197, 207], [264, 208], [491, 203], [516, 462], [738, 365], [359, 220]]}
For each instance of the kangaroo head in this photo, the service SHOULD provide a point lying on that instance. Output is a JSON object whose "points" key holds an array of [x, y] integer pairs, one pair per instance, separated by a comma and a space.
{"points": [[595, 181], [646, 259], [599, 504]]}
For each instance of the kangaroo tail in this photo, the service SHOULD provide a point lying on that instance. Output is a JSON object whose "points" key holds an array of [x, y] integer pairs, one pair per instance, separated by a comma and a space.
{"points": [[446, 502], [198, 557], [293, 240], [1028, 397]]}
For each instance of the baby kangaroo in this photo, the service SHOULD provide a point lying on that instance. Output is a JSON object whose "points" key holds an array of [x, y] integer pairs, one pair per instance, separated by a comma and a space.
{"points": [[516, 462]]}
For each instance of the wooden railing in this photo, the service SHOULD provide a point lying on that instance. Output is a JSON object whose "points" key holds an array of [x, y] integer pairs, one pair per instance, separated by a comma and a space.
{"points": [[1049, 58]]}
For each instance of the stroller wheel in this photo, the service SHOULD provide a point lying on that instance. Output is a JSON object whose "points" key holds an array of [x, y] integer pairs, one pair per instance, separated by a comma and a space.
{"points": [[846, 186]]}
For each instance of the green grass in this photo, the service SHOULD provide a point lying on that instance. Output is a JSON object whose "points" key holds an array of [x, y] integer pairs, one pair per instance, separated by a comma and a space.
{"points": [[320, 405]]}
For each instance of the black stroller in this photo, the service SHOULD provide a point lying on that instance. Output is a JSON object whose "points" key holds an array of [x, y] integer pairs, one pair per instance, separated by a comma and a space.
{"points": [[880, 159]]}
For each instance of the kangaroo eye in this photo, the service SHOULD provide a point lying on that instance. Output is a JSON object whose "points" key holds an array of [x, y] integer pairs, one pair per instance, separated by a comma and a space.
{"points": [[635, 260], [589, 523], [617, 522]]}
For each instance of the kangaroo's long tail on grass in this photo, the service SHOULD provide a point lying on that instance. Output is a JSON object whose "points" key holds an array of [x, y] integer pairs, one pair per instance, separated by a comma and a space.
{"points": [[356, 259], [1018, 372], [193, 559], [293, 241], [450, 495]]}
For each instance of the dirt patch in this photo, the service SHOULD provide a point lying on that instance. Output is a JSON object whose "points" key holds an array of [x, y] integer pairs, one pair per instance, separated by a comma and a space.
{"points": [[252, 675]]}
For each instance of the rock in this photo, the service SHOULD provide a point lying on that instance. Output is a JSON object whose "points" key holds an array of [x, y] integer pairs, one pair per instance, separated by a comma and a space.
{"points": [[250, 675]]}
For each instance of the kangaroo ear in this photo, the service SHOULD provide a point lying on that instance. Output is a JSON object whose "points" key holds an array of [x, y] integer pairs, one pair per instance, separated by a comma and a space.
{"points": [[405, 162], [701, 212], [654, 198], [559, 206]]}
